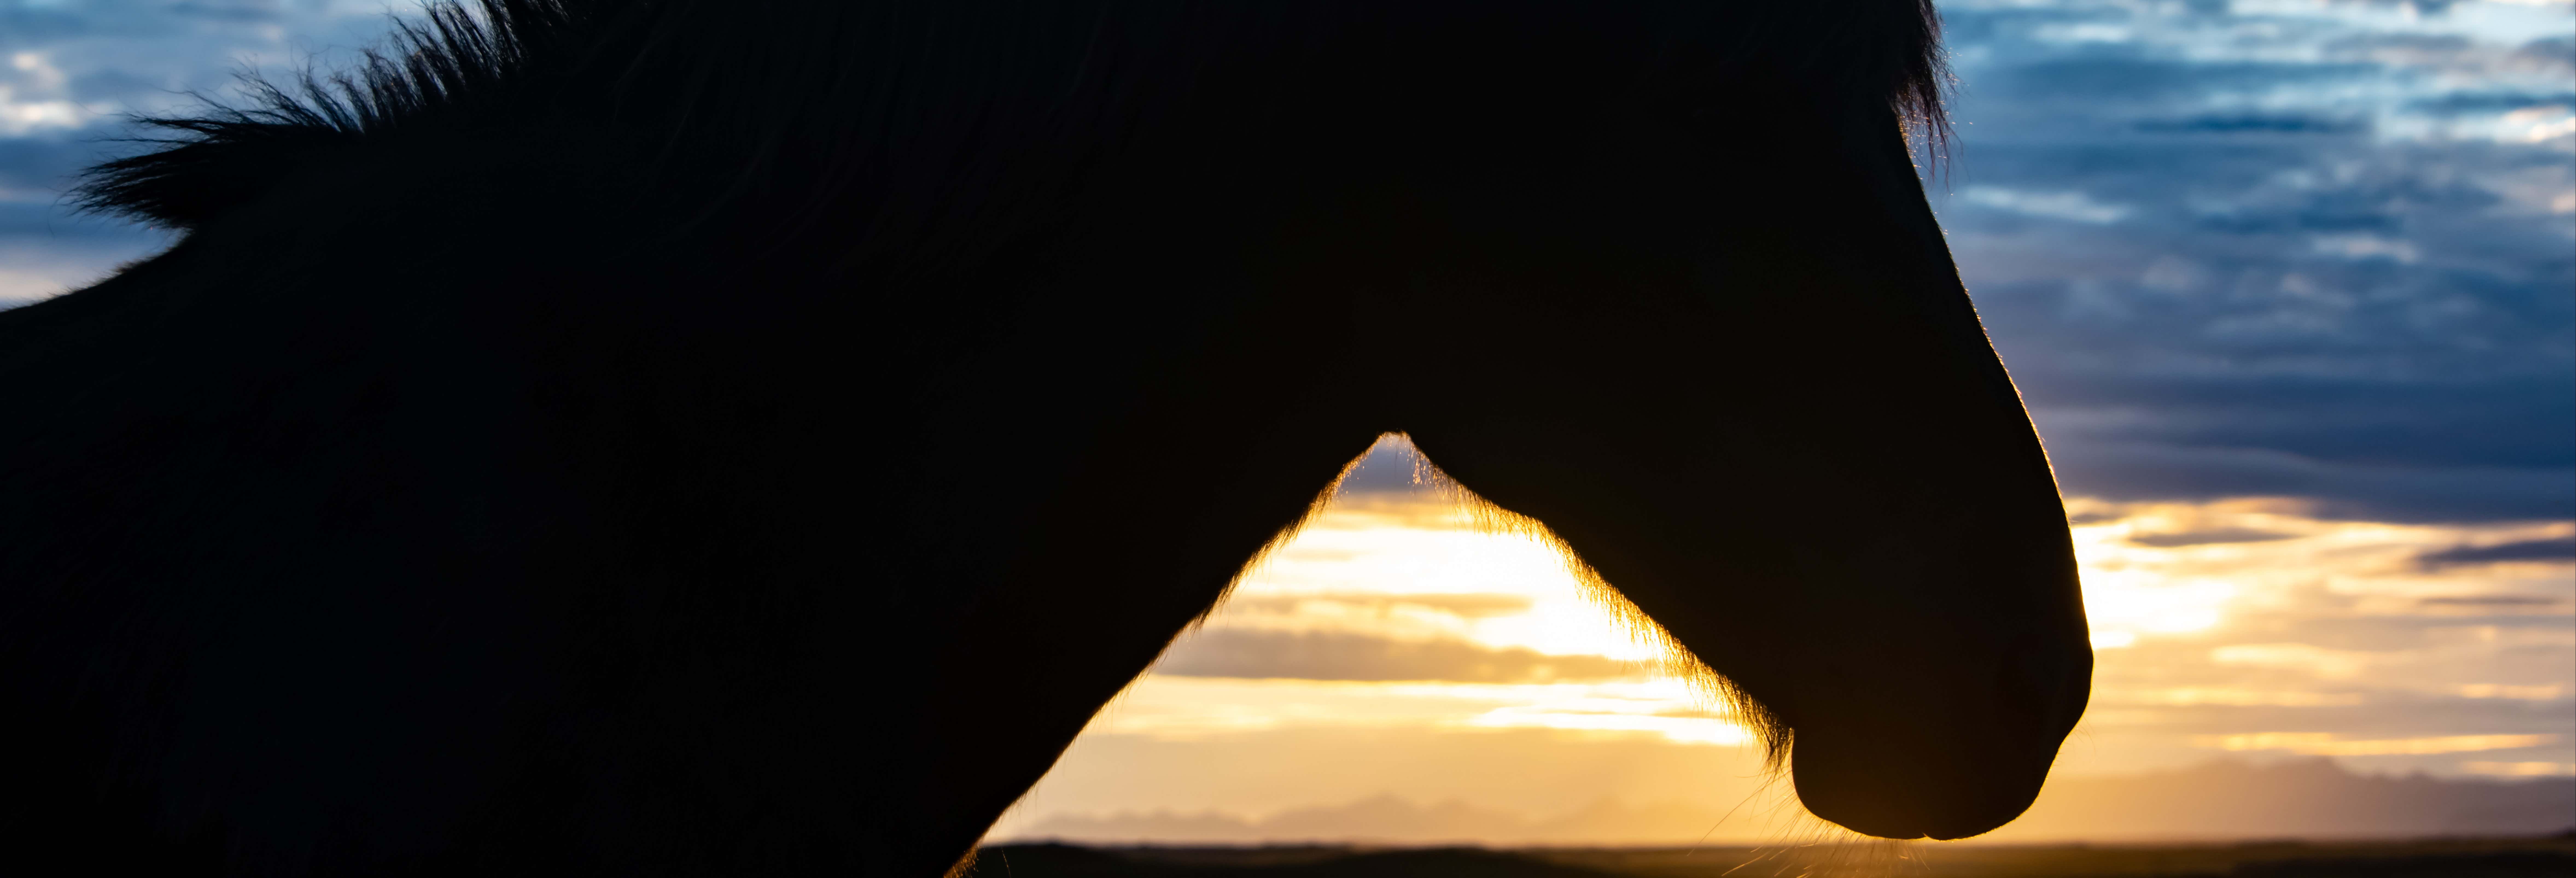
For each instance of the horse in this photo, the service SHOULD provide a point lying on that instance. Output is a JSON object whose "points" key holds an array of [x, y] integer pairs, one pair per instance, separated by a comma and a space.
{"points": [[678, 437]]}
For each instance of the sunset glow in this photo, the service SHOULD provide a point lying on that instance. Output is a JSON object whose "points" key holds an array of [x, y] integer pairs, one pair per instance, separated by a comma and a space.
{"points": [[1394, 621]]}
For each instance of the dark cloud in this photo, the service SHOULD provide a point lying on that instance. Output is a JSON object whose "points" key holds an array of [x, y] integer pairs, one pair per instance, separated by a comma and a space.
{"points": [[1338, 655], [2285, 301], [235, 12], [2561, 549], [2491, 600], [2115, 75], [2393, 633], [2254, 122], [2509, 421], [2162, 471], [2491, 102], [2207, 537], [2548, 52]]}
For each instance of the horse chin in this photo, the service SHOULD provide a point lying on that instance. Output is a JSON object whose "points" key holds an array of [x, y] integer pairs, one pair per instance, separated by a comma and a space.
{"points": [[1894, 758], [1947, 791]]}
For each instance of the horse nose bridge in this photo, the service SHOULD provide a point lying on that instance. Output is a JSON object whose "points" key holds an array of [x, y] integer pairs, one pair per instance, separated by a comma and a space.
{"points": [[1968, 665], [2046, 679]]}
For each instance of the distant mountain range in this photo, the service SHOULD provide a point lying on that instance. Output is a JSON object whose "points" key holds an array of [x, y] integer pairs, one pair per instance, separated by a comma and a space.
{"points": [[2307, 798], [1387, 819], [2220, 800]]}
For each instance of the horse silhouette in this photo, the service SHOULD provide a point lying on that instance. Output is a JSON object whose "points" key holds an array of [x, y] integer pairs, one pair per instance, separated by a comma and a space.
{"points": [[754, 438]]}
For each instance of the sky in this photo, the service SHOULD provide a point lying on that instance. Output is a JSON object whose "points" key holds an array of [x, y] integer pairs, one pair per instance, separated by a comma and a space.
{"points": [[2289, 285]]}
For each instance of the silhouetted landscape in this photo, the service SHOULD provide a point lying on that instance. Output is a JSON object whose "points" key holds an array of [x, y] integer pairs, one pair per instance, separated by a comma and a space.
{"points": [[2222, 800], [2553, 856]]}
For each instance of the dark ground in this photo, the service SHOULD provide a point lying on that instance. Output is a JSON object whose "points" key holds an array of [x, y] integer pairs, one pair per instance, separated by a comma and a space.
{"points": [[2549, 857]]}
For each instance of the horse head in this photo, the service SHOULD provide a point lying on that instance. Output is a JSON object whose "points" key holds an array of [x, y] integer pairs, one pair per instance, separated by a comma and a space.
{"points": [[1754, 399], [1726, 359]]}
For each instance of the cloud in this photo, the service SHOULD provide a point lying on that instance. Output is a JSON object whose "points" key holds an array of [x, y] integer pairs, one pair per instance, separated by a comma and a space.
{"points": [[2274, 252], [2501, 601], [32, 96], [2229, 622], [2559, 550], [2148, 470], [1464, 606], [2118, 74], [2491, 101], [2208, 537], [2519, 769], [2072, 206], [2325, 744], [2255, 122], [1341, 655]]}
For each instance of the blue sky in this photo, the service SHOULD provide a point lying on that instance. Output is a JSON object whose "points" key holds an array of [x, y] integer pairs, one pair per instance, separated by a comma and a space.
{"points": [[71, 69], [2290, 287]]}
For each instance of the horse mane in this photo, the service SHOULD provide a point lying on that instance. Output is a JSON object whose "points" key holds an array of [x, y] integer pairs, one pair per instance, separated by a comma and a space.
{"points": [[436, 71], [834, 88]]}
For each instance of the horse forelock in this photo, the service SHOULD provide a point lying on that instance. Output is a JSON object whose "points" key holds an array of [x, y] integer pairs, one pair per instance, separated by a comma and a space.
{"points": [[834, 89]]}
